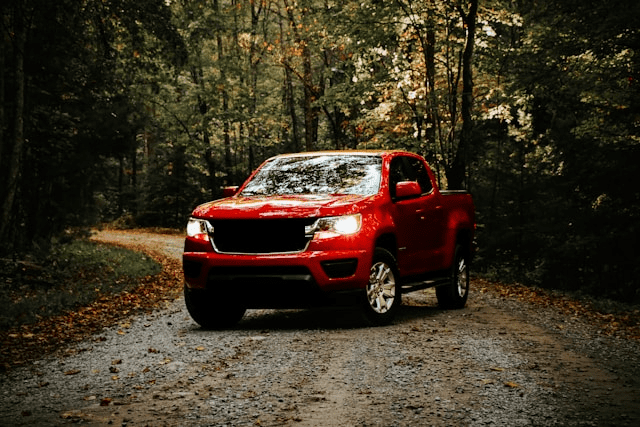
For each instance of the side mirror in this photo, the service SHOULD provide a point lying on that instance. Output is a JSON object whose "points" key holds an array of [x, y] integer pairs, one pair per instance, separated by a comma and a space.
{"points": [[407, 189], [229, 191]]}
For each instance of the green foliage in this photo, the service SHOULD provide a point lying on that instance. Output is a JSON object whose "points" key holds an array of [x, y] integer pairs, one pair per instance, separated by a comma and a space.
{"points": [[78, 65], [114, 261], [74, 274], [563, 165], [142, 110]]}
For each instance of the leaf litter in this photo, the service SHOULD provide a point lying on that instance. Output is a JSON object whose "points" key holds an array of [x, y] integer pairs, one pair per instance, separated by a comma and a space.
{"points": [[21, 344]]}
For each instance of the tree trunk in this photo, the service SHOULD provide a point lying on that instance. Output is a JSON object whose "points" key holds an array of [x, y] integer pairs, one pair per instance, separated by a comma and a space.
{"points": [[4, 45], [289, 101], [134, 177], [212, 168], [456, 175], [254, 61], [309, 116], [433, 118], [226, 127], [310, 112], [14, 161], [120, 184]]}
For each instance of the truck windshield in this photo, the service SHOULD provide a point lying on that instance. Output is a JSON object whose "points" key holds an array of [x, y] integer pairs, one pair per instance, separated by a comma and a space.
{"points": [[322, 174]]}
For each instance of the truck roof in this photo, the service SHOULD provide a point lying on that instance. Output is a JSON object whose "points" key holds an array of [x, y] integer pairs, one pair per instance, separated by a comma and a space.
{"points": [[379, 152]]}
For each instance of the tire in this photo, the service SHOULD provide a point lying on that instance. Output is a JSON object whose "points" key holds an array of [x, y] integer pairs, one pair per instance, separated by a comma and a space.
{"points": [[454, 295], [382, 296], [212, 310]]}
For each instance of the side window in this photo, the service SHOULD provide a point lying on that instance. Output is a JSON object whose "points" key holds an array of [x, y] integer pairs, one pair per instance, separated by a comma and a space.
{"points": [[396, 174], [422, 176], [408, 169]]}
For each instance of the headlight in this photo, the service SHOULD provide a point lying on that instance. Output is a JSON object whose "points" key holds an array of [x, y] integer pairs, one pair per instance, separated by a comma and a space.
{"points": [[197, 226], [347, 224]]}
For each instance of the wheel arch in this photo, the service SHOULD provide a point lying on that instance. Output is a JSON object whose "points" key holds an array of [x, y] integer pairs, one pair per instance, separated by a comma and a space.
{"points": [[464, 238], [387, 241]]}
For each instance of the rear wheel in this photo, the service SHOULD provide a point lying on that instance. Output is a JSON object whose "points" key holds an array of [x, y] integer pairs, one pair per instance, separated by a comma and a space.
{"points": [[455, 293], [212, 310], [382, 293]]}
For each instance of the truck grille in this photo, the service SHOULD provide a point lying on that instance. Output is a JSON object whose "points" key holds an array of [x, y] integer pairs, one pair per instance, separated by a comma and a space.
{"points": [[262, 236]]}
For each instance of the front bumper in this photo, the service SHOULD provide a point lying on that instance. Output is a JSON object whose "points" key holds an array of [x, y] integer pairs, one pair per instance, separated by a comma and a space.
{"points": [[277, 280]]}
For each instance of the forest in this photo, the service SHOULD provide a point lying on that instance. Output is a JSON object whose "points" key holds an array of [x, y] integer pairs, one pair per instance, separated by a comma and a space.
{"points": [[134, 112]]}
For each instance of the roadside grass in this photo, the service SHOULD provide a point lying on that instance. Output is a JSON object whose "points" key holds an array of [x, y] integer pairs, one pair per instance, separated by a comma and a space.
{"points": [[74, 274]]}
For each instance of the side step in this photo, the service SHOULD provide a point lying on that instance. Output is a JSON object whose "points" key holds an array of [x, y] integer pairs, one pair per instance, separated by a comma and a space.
{"points": [[425, 284]]}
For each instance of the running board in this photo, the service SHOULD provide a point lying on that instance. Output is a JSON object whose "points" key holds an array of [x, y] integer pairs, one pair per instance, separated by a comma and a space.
{"points": [[425, 284]]}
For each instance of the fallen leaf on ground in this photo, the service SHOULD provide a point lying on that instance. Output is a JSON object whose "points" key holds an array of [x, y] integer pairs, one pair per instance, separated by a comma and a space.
{"points": [[20, 345]]}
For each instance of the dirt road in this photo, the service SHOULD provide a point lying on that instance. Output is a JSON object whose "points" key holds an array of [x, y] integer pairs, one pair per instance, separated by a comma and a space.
{"points": [[498, 362]]}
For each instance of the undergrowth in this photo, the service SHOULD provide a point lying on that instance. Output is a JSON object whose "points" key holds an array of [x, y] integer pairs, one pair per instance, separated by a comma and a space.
{"points": [[71, 275]]}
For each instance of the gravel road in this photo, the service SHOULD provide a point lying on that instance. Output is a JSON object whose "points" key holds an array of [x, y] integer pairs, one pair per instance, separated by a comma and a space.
{"points": [[498, 362]]}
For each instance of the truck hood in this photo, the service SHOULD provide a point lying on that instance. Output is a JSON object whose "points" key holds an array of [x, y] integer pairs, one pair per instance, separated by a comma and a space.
{"points": [[274, 207]]}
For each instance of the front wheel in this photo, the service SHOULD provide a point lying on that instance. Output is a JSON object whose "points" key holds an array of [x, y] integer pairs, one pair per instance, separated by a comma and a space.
{"points": [[382, 293], [212, 310], [455, 293]]}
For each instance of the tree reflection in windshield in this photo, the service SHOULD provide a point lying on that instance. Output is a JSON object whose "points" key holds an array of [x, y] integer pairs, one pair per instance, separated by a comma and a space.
{"points": [[321, 174]]}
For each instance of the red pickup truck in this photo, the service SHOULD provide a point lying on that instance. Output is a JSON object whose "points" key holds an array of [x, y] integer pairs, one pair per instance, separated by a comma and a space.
{"points": [[309, 229]]}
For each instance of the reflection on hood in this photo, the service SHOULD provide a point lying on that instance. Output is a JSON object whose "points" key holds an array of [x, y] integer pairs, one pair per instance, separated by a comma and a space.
{"points": [[288, 206]]}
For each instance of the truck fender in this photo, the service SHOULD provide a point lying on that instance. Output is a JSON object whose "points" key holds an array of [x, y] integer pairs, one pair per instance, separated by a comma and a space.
{"points": [[459, 231]]}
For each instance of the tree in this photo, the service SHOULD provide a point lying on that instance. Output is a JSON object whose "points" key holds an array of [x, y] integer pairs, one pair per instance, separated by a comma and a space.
{"points": [[145, 109], [60, 97], [456, 173], [302, 51], [413, 64], [16, 22], [558, 141]]}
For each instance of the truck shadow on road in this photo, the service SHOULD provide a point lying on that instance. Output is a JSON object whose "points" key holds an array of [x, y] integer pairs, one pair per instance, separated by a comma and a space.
{"points": [[329, 318]]}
